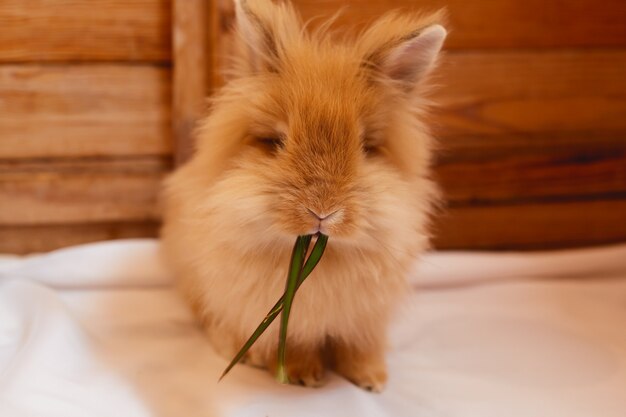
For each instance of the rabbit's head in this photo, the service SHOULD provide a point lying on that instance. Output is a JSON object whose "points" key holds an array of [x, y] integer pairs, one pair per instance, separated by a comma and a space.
{"points": [[317, 134]]}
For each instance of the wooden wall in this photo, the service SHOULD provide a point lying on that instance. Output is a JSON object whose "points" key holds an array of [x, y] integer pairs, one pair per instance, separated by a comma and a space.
{"points": [[95, 103], [84, 120]]}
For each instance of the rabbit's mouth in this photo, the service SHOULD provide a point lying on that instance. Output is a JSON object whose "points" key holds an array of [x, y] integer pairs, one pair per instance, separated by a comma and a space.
{"points": [[303, 220], [324, 222]]}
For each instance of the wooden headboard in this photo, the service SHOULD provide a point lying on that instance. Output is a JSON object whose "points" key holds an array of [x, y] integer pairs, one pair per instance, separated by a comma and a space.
{"points": [[532, 122]]}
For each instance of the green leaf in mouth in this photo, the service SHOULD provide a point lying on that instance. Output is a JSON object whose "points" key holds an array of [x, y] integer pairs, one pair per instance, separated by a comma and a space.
{"points": [[299, 270]]}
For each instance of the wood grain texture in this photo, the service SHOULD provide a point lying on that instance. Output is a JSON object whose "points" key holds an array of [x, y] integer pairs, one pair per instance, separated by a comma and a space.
{"points": [[76, 111], [532, 226], [527, 92], [192, 70], [80, 192], [530, 168], [29, 239], [480, 24], [85, 30]]}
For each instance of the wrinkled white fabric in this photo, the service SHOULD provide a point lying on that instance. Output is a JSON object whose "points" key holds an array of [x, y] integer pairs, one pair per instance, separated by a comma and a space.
{"points": [[97, 330]]}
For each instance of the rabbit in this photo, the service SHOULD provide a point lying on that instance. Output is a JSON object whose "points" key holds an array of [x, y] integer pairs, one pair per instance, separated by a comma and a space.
{"points": [[312, 133]]}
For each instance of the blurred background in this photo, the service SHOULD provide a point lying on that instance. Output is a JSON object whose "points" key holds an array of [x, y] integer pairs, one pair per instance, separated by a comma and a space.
{"points": [[98, 99]]}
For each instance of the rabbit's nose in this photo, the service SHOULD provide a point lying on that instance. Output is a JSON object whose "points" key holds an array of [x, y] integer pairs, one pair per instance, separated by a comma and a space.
{"points": [[325, 222], [322, 217]]}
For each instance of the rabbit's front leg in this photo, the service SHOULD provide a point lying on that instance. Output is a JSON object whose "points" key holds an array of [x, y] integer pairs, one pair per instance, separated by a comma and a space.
{"points": [[304, 364], [363, 364]]}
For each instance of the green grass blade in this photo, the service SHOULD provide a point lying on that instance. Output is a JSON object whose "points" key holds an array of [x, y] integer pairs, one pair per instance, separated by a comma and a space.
{"points": [[310, 264], [269, 318], [258, 332], [314, 257], [295, 270]]}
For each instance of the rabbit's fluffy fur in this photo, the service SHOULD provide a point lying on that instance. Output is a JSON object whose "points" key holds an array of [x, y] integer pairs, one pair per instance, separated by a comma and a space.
{"points": [[308, 125]]}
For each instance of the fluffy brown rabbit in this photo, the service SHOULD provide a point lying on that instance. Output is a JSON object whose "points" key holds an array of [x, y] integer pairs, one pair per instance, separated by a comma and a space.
{"points": [[310, 134]]}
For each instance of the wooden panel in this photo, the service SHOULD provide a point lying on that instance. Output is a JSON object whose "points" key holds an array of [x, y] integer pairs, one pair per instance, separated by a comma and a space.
{"points": [[532, 226], [80, 192], [528, 92], [192, 63], [490, 23], [478, 170], [29, 239], [501, 23], [62, 111], [84, 30]]}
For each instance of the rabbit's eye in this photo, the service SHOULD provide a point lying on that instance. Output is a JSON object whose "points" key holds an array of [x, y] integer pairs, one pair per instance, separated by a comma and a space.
{"points": [[371, 144], [271, 143], [370, 149]]}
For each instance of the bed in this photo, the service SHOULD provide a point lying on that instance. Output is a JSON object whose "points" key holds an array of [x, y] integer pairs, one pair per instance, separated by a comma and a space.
{"points": [[97, 330]]}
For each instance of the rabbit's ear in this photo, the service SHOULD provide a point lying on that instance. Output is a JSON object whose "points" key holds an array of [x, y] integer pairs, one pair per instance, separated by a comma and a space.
{"points": [[414, 57], [264, 29], [402, 49]]}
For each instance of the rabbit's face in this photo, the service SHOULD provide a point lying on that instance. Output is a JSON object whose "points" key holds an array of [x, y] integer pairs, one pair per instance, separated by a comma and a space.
{"points": [[323, 136], [308, 128]]}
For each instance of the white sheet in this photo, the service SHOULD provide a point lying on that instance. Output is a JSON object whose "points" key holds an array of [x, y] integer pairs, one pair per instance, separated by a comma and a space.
{"points": [[97, 330]]}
